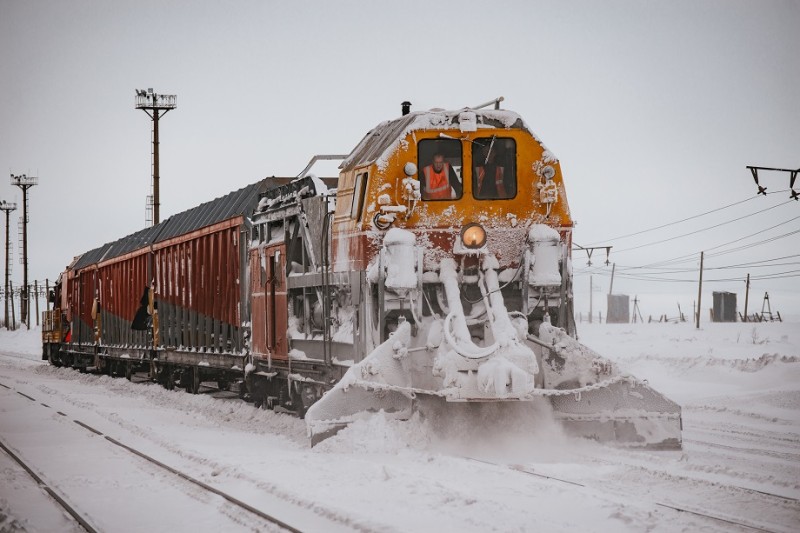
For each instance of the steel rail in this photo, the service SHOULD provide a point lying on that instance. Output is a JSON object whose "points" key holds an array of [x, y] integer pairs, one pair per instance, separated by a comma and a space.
{"points": [[233, 500], [53, 494], [523, 470]]}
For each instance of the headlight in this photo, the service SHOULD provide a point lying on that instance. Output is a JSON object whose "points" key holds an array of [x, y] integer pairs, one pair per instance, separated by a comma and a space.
{"points": [[473, 236]]}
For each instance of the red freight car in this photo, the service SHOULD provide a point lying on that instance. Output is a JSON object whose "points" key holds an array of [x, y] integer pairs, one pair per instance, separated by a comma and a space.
{"points": [[182, 277]]}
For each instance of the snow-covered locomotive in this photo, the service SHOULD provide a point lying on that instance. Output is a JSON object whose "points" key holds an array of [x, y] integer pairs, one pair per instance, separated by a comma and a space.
{"points": [[438, 267]]}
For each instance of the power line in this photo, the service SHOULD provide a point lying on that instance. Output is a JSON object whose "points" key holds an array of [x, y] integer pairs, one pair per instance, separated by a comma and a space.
{"points": [[690, 257], [703, 229], [677, 221], [777, 275], [684, 219], [660, 272], [760, 263]]}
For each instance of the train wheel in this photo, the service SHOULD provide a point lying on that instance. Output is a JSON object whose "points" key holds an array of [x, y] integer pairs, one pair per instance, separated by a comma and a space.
{"points": [[54, 359], [165, 377]]}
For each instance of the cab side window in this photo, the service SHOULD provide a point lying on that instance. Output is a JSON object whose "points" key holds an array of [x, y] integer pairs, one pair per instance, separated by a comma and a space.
{"points": [[494, 168], [440, 169], [359, 189]]}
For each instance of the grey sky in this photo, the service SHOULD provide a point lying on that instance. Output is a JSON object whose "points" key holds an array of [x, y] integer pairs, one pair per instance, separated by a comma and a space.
{"points": [[653, 108]]}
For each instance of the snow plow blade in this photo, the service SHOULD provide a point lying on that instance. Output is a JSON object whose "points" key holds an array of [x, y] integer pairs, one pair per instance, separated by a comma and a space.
{"points": [[378, 383], [592, 399], [628, 413]]}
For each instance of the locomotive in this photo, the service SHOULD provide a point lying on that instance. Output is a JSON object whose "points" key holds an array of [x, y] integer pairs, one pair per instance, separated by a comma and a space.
{"points": [[436, 267]]}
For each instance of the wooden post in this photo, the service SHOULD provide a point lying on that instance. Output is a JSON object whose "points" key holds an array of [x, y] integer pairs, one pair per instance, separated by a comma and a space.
{"points": [[746, 296], [36, 299], [13, 314], [700, 292], [611, 286]]}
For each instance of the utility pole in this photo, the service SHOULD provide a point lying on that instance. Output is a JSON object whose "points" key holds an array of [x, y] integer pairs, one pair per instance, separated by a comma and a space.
{"points": [[36, 299], [24, 182], [7, 208], [591, 290], [611, 287], [13, 318], [746, 296], [636, 310], [155, 105], [699, 293]]}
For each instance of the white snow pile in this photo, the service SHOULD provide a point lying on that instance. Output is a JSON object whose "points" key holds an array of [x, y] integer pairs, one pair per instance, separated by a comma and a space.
{"points": [[738, 385]]}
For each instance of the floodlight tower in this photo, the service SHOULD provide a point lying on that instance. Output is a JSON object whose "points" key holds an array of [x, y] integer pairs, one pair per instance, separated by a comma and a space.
{"points": [[155, 105], [24, 182], [7, 208]]}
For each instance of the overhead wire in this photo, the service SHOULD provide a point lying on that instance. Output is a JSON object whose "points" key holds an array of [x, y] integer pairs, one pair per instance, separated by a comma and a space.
{"points": [[660, 269], [675, 222], [703, 229], [684, 219], [692, 256], [663, 271]]}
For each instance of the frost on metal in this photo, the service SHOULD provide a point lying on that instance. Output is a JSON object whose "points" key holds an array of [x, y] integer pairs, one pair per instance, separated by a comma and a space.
{"points": [[384, 140]]}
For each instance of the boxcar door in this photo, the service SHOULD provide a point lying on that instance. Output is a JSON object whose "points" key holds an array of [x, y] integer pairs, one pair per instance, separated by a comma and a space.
{"points": [[258, 342], [277, 311]]}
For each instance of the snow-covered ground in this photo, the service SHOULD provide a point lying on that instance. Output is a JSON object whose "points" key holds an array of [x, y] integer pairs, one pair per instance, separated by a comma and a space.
{"points": [[503, 468]]}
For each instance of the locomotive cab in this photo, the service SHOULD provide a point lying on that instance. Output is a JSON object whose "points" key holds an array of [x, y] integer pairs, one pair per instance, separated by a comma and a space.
{"points": [[449, 178]]}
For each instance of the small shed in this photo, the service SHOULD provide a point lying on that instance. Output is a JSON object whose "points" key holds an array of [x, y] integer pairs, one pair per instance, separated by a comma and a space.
{"points": [[724, 307], [619, 309]]}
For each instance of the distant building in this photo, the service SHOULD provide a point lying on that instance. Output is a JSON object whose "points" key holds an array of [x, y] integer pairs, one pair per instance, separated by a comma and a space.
{"points": [[619, 309], [724, 307]]}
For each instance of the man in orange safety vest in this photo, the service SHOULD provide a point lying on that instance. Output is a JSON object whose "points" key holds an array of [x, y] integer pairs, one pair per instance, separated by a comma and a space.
{"points": [[440, 181]]}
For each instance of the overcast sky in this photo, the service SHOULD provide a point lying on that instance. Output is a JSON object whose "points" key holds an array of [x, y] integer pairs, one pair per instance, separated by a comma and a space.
{"points": [[653, 108]]}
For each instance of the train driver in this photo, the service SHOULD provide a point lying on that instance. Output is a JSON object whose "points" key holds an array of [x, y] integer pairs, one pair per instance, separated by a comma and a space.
{"points": [[489, 176], [440, 181]]}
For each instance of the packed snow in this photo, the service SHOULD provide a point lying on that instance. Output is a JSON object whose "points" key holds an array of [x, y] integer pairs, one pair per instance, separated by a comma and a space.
{"points": [[477, 467]]}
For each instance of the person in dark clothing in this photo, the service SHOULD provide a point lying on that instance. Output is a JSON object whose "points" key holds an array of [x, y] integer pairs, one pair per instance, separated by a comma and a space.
{"points": [[142, 320], [489, 178]]}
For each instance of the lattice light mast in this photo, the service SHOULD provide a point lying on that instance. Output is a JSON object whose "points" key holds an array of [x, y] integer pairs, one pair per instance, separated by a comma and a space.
{"points": [[24, 182], [7, 207], [155, 105]]}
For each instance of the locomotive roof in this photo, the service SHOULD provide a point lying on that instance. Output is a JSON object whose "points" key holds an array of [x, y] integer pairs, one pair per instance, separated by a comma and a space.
{"points": [[377, 144], [236, 203]]}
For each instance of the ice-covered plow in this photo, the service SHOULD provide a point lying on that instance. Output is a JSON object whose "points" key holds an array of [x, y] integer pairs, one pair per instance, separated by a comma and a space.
{"points": [[438, 356]]}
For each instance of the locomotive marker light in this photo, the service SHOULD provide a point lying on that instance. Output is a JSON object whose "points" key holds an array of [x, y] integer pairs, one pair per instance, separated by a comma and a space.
{"points": [[24, 182], [155, 105], [7, 208]]}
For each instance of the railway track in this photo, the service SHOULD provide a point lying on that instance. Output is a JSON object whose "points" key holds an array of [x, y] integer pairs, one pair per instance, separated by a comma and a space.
{"points": [[84, 520], [721, 518]]}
